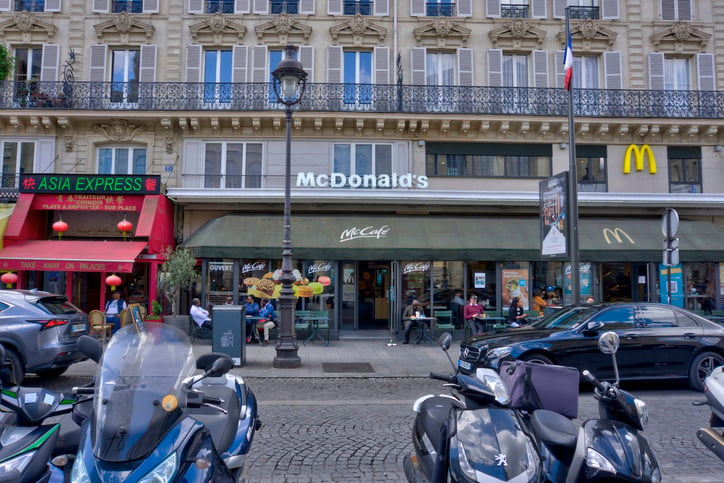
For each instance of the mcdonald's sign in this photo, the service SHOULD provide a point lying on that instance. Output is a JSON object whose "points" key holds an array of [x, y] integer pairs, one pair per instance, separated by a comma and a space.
{"points": [[617, 234], [639, 154]]}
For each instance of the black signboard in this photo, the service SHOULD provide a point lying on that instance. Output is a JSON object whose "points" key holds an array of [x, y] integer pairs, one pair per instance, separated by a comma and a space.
{"points": [[132, 184]]}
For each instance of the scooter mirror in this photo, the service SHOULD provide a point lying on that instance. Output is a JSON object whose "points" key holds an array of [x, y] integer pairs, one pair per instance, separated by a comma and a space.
{"points": [[608, 343], [91, 347], [445, 340]]}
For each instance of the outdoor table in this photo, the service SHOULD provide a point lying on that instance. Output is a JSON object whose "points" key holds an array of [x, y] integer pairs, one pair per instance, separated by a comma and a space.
{"points": [[254, 320], [314, 321], [422, 328], [492, 321]]}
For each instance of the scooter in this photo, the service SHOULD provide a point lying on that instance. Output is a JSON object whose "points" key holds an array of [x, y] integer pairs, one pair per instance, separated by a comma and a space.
{"points": [[153, 420], [470, 435], [27, 440], [713, 437], [608, 448]]}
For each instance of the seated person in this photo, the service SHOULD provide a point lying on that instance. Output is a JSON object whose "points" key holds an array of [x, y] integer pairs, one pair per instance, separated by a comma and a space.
{"points": [[267, 312], [199, 315], [474, 314], [113, 309], [411, 311], [251, 309]]}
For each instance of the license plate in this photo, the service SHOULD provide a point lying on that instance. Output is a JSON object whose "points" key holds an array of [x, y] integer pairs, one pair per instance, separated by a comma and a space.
{"points": [[77, 328], [465, 365]]}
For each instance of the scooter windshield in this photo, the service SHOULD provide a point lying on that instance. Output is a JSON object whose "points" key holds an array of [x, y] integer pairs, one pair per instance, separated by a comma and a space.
{"points": [[139, 396]]}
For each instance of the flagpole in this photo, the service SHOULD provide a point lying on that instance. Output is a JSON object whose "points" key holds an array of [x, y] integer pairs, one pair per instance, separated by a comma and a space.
{"points": [[572, 184]]}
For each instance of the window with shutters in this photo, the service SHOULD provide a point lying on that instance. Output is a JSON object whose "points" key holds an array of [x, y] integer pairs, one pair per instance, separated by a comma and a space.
{"points": [[232, 165], [357, 7], [440, 8], [357, 160], [28, 64], [18, 158], [514, 9], [440, 80], [128, 6], [583, 9], [357, 70], [684, 169], [219, 6], [121, 160], [516, 75], [676, 10], [125, 67], [29, 5], [218, 66], [677, 74], [488, 160], [284, 6]]}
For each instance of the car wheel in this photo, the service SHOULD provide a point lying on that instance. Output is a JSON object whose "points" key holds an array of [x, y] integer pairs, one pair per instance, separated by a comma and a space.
{"points": [[701, 367], [16, 366], [55, 372], [537, 358]]}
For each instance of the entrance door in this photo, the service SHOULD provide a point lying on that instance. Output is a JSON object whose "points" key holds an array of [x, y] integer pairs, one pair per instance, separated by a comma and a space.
{"points": [[349, 297], [373, 288]]}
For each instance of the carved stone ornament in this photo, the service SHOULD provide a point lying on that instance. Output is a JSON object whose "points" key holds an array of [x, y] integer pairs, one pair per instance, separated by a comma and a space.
{"points": [[218, 29], [442, 32], [589, 36], [519, 33], [119, 130], [359, 31], [26, 27], [283, 29], [124, 28], [680, 37]]}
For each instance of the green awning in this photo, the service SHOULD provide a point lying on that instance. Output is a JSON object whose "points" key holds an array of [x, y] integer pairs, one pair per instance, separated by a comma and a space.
{"points": [[443, 238]]}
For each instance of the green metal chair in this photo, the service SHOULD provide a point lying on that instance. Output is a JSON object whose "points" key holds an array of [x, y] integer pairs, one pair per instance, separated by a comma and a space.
{"points": [[445, 322], [200, 332]]}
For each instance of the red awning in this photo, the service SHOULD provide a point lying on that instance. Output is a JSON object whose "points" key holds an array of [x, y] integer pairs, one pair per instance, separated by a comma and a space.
{"points": [[71, 256]]}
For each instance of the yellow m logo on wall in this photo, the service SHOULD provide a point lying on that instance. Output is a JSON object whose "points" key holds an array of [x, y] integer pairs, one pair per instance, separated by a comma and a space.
{"points": [[617, 234], [639, 154]]}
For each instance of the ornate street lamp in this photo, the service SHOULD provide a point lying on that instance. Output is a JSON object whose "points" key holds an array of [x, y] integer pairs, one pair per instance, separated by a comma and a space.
{"points": [[289, 83]]}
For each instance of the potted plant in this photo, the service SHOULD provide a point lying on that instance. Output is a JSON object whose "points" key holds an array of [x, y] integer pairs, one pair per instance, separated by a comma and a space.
{"points": [[177, 273], [156, 311], [7, 63]]}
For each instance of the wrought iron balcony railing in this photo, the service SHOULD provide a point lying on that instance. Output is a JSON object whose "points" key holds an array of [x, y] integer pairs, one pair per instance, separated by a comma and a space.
{"points": [[219, 6], [583, 13], [129, 6], [180, 96], [357, 7], [285, 6], [30, 5], [514, 11], [440, 9]]}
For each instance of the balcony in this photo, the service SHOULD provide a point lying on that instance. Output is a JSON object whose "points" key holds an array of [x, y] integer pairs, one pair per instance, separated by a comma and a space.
{"points": [[584, 13], [29, 5], [246, 97], [357, 7], [284, 6], [514, 11], [219, 6], [440, 9], [128, 6]]}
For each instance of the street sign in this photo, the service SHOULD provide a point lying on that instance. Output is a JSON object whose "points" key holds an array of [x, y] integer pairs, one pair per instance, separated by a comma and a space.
{"points": [[670, 223]]}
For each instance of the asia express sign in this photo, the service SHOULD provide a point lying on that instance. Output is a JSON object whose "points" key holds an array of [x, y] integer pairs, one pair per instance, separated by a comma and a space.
{"points": [[91, 184]]}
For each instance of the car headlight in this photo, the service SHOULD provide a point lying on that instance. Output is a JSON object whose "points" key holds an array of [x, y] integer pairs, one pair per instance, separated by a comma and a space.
{"points": [[643, 412], [163, 472], [498, 353]]}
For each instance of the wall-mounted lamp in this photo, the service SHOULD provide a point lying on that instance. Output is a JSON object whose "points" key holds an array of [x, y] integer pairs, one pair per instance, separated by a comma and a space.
{"points": [[717, 148], [421, 142], [564, 146]]}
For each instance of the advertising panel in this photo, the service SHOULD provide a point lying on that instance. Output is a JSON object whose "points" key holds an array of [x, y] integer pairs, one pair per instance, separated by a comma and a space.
{"points": [[515, 284], [677, 285], [554, 235]]}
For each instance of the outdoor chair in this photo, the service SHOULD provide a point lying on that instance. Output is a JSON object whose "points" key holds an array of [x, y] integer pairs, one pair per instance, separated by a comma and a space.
{"points": [[98, 325], [445, 322]]}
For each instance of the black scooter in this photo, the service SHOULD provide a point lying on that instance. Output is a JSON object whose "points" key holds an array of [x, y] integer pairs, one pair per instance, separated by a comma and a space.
{"points": [[713, 437], [608, 448], [471, 435]]}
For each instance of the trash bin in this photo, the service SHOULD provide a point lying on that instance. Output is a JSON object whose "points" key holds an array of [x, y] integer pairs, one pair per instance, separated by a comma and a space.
{"points": [[228, 335]]}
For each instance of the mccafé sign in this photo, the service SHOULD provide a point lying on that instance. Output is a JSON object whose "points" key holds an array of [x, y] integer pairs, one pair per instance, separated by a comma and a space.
{"points": [[640, 154]]}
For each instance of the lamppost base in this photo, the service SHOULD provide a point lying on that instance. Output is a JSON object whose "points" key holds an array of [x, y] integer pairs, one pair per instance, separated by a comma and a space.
{"points": [[287, 359]]}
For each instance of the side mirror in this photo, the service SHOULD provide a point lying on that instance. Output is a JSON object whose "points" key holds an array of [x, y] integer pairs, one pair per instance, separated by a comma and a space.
{"points": [[445, 340], [593, 326], [221, 366], [608, 343], [91, 347]]}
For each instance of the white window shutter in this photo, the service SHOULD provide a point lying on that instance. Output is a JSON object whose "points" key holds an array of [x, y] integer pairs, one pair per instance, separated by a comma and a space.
{"points": [[44, 150], [560, 73], [559, 8], [685, 10], [495, 67], [612, 70], [656, 71], [306, 57], [492, 8], [5, 5], [101, 6], [150, 6], [705, 72], [334, 7], [97, 63], [382, 65], [382, 8], [147, 70], [50, 63], [261, 6], [417, 8], [193, 163], [334, 64], [464, 8], [259, 69], [465, 67], [196, 6], [51, 6], [306, 6], [418, 66], [239, 63], [538, 9], [540, 68], [242, 6], [609, 9], [193, 63]]}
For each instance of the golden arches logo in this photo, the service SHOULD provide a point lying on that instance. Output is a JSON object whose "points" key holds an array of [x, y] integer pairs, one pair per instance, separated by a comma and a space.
{"points": [[639, 154], [617, 234]]}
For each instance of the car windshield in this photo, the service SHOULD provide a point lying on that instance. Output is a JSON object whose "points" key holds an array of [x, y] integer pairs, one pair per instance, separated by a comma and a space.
{"points": [[58, 305], [568, 318]]}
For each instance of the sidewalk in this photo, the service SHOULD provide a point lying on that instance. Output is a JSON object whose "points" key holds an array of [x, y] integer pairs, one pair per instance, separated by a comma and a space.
{"points": [[342, 358]]}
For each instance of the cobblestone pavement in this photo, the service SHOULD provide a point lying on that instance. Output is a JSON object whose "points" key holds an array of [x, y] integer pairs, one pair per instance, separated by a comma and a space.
{"points": [[345, 430]]}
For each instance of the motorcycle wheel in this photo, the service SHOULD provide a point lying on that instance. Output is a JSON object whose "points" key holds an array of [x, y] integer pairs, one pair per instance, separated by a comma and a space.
{"points": [[701, 367]]}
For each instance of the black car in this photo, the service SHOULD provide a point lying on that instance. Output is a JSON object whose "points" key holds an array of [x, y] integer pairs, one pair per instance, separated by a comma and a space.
{"points": [[657, 341]]}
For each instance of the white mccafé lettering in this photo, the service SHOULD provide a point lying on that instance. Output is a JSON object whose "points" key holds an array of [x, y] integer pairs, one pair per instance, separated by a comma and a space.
{"points": [[364, 232], [341, 180]]}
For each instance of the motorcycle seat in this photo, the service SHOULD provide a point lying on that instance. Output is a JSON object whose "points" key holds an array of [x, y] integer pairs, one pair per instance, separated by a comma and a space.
{"points": [[554, 428], [222, 427]]}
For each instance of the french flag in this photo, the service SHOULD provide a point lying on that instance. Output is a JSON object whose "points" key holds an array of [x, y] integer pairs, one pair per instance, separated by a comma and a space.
{"points": [[568, 64]]}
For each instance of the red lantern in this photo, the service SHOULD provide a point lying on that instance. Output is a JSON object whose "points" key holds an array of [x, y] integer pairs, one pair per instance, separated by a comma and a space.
{"points": [[124, 226], [9, 278], [113, 280], [61, 227], [324, 280]]}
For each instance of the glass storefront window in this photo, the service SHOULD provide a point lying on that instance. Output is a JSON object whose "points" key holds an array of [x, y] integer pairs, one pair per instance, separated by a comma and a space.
{"points": [[416, 282], [514, 280], [481, 281], [447, 278], [220, 281], [548, 281], [250, 269], [700, 279]]}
